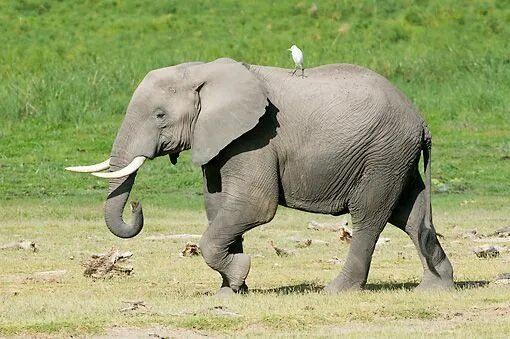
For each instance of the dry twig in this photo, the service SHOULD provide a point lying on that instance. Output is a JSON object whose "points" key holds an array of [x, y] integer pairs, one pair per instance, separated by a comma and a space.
{"points": [[281, 252], [345, 234]]}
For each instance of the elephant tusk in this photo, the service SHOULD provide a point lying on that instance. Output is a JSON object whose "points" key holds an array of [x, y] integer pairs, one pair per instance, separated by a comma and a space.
{"points": [[92, 168], [132, 167]]}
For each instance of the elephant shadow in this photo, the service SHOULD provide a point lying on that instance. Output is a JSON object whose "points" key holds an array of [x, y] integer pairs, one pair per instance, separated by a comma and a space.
{"points": [[408, 286], [305, 288]]}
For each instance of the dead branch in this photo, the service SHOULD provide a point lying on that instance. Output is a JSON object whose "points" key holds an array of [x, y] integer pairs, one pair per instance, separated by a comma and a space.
{"points": [[190, 250], [20, 245], [281, 252], [105, 265]]}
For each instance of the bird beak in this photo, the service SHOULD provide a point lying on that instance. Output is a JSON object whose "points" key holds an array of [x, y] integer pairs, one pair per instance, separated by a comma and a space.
{"points": [[288, 49]]}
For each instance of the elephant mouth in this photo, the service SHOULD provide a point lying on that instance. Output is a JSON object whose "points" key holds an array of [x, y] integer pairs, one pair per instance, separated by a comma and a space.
{"points": [[170, 149], [173, 157]]}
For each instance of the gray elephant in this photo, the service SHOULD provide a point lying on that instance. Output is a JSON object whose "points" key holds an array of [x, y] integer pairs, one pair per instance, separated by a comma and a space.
{"points": [[342, 140]]}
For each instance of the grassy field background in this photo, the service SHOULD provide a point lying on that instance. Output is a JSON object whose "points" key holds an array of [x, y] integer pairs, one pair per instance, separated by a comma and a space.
{"points": [[67, 71]]}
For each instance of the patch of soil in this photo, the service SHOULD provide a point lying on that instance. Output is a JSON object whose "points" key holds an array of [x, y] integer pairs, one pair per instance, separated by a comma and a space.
{"points": [[38, 277], [474, 313], [447, 321], [150, 332], [173, 237]]}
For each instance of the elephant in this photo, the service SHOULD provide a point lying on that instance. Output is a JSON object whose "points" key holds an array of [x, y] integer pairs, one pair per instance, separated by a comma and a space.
{"points": [[341, 140]]}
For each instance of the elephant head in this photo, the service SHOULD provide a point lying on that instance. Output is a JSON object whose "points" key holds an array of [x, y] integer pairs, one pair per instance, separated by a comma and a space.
{"points": [[202, 106]]}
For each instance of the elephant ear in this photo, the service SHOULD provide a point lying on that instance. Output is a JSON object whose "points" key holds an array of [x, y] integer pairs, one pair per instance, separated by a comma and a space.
{"points": [[232, 100]]}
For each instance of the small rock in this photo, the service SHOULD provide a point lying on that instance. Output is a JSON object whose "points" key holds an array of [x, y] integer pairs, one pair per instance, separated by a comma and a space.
{"points": [[503, 232], [20, 245], [487, 251], [502, 279], [471, 234], [334, 261]]}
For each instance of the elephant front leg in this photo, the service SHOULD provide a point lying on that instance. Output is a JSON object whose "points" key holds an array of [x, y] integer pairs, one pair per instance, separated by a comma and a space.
{"points": [[235, 248], [238, 198], [222, 251], [221, 244]]}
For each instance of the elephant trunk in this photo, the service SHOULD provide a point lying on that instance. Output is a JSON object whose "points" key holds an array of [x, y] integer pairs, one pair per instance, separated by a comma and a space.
{"points": [[124, 155], [118, 194]]}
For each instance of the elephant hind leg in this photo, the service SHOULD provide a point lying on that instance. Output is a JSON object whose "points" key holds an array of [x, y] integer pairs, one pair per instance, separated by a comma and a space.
{"points": [[409, 216], [370, 209], [355, 271]]}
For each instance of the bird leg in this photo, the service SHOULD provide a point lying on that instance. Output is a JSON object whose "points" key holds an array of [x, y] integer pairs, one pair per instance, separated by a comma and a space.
{"points": [[302, 73], [294, 72]]}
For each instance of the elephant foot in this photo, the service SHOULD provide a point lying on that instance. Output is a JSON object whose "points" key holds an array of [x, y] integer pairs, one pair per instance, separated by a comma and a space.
{"points": [[443, 280], [438, 284], [340, 284], [235, 274], [226, 291]]}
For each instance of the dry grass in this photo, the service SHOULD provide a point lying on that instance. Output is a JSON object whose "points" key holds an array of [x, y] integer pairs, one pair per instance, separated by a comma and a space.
{"points": [[177, 292]]}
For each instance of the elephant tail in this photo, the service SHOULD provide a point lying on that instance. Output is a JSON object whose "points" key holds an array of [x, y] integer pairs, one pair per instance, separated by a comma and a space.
{"points": [[427, 234], [427, 150]]}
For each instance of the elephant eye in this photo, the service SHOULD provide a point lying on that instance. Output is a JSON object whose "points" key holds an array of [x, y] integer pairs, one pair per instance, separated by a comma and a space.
{"points": [[160, 114]]}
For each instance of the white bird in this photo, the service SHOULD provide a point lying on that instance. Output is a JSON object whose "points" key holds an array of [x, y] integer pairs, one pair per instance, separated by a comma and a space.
{"points": [[297, 56]]}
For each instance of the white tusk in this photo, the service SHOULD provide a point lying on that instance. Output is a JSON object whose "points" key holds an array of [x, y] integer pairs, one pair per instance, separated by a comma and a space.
{"points": [[132, 167], [92, 168]]}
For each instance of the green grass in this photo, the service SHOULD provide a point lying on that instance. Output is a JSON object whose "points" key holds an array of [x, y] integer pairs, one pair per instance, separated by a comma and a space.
{"points": [[67, 71]]}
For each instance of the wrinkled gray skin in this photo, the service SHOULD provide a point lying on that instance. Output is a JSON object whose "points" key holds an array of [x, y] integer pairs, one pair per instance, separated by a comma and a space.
{"points": [[342, 140]]}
